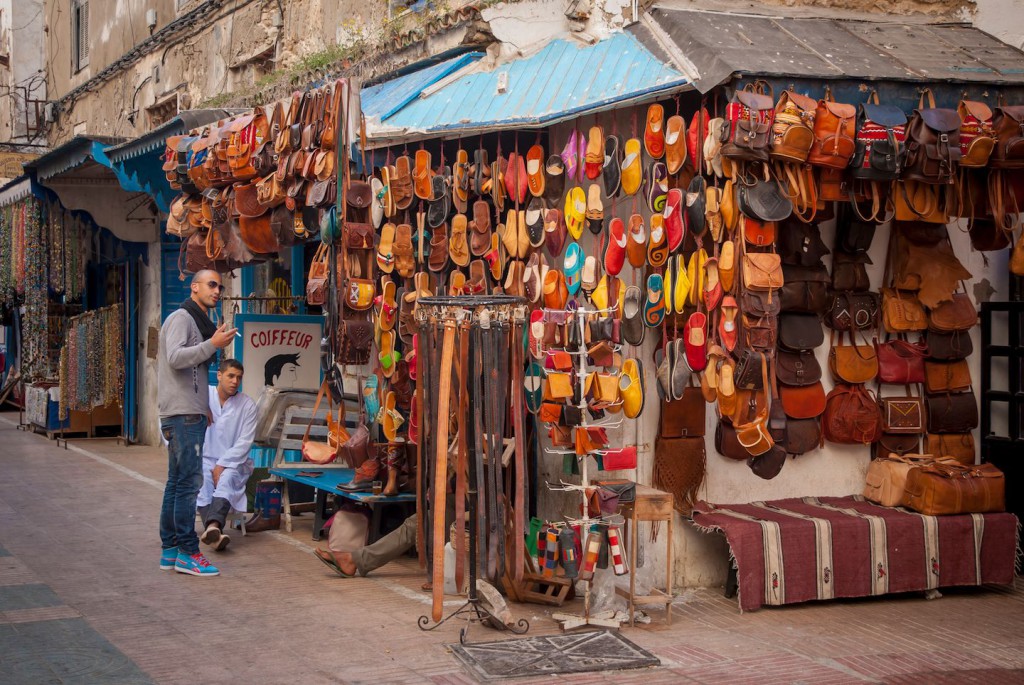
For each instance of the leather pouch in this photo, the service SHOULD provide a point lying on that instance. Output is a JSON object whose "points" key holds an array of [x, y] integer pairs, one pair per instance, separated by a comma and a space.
{"points": [[727, 444], [952, 412], [557, 386], [356, 336], [851, 416], [762, 271], [942, 377], [684, 417], [359, 293], [853, 311], [805, 289], [806, 402], [768, 464], [849, 272], [797, 368]]}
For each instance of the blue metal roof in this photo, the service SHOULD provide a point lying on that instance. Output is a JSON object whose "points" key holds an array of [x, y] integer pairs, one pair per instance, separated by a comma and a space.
{"points": [[386, 98], [562, 80]]}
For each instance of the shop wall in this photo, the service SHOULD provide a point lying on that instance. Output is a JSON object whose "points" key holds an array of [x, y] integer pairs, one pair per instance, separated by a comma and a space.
{"points": [[1002, 18], [23, 75], [149, 317]]}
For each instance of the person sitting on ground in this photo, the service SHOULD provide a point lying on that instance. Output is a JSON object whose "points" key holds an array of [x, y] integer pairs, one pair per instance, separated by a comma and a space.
{"points": [[371, 557], [226, 462]]}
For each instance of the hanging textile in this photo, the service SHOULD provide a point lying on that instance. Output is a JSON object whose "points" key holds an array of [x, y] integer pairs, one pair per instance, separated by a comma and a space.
{"points": [[37, 362], [92, 361]]}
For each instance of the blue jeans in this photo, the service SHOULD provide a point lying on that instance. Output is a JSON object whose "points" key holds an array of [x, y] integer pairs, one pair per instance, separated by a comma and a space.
{"points": [[185, 436]]}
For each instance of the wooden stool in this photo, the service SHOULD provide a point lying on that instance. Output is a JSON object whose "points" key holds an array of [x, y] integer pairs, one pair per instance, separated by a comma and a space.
{"points": [[650, 505]]}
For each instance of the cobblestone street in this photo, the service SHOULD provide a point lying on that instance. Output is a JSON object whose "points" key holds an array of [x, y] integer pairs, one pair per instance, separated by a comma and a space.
{"points": [[82, 601]]}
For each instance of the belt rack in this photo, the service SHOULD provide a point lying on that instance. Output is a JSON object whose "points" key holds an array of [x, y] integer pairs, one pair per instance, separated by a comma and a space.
{"points": [[474, 343]]}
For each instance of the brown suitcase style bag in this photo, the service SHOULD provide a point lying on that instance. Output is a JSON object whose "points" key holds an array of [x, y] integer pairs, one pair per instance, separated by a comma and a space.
{"points": [[942, 488], [886, 479]]}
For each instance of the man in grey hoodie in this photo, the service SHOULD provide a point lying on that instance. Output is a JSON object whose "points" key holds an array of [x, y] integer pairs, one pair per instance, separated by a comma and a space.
{"points": [[188, 342]]}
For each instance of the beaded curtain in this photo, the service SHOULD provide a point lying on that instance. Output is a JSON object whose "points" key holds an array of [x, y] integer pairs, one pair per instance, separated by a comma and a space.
{"points": [[92, 360], [36, 362]]}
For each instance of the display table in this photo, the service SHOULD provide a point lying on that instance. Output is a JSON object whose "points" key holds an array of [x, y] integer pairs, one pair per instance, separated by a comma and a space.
{"points": [[796, 550], [327, 482], [650, 505]]}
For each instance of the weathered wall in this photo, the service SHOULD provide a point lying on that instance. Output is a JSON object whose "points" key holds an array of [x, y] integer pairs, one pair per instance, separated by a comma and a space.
{"points": [[25, 70]]}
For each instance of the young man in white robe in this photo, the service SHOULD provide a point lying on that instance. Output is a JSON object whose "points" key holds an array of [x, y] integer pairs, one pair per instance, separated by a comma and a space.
{"points": [[226, 462]]}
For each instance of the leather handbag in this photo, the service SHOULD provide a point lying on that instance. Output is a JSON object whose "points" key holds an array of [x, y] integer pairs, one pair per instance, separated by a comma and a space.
{"points": [[949, 346], [754, 435], [750, 371], [802, 435], [314, 451], [853, 236], [881, 132], [793, 127], [850, 311], [762, 271], [803, 402], [933, 144], [798, 368], [258, 235], [959, 446], [902, 312], [760, 334], [886, 478], [901, 362], [849, 272], [759, 305], [805, 289], [359, 293], [889, 445], [942, 377], [727, 444], [763, 199], [1008, 126], [941, 488], [851, 416], [853, 363], [769, 464], [958, 314], [316, 284], [800, 332], [356, 339], [757, 232], [902, 415], [747, 133], [684, 417], [955, 412], [977, 137], [834, 133]]}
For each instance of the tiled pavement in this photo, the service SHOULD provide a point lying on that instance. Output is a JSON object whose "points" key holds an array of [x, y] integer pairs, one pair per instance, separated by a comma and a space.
{"points": [[82, 601]]}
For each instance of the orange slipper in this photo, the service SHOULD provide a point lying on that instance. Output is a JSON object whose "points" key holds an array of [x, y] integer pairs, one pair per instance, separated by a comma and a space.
{"points": [[654, 133], [421, 176], [535, 170], [675, 144]]}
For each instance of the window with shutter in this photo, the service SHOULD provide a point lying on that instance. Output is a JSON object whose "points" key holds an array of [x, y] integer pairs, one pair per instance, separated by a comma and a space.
{"points": [[80, 34]]}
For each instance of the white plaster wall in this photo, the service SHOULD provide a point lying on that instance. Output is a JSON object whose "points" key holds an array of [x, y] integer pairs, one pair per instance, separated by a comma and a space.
{"points": [[149, 315], [1004, 19]]}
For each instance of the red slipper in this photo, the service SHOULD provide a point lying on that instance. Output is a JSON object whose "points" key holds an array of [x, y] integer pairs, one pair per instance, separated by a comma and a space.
{"points": [[674, 227], [695, 335], [615, 254]]}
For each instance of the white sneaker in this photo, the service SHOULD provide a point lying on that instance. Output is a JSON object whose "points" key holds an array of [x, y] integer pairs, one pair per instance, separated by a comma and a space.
{"points": [[212, 535]]}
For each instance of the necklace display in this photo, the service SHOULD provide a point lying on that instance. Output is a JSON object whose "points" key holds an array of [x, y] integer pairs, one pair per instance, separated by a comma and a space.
{"points": [[89, 379]]}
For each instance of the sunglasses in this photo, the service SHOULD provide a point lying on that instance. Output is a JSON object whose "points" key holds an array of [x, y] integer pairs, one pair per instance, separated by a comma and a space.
{"points": [[214, 285]]}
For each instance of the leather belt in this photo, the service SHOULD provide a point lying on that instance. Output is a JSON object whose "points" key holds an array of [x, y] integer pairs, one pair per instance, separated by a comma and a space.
{"points": [[462, 460], [518, 427], [493, 490], [478, 482], [440, 491]]}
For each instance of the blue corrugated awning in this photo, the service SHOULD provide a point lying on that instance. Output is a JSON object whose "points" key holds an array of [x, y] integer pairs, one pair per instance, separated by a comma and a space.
{"points": [[383, 100], [563, 80]]}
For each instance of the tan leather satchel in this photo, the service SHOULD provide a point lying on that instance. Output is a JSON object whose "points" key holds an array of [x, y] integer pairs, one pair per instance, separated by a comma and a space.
{"points": [[902, 312], [762, 271], [886, 478]]}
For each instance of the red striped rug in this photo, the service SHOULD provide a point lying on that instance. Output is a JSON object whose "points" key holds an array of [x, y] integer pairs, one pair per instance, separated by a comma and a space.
{"points": [[795, 550]]}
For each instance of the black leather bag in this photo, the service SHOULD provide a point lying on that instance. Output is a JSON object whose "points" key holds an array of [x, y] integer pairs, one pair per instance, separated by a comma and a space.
{"points": [[853, 236], [952, 412], [800, 332], [849, 272], [949, 346], [800, 244], [769, 464], [764, 200]]}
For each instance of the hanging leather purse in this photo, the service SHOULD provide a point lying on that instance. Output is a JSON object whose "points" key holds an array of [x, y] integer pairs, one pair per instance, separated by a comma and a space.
{"points": [[684, 418], [958, 314], [750, 371], [727, 444], [952, 412], [356, 336], [803, 435], [762, 271], [800, 332], [901, 362], [754, 435], [747, 132], [806, 402], [793, 128], [853, 363], [798, 368], [769, 464], [933, 144], [316, 284], [800, 245], [805, 289], [1008, 126], [977, 137], [949, 346], [314, 451], [849, 272], [763, 199], [959, 446], [834, 133], [902, 312], [902, 415], [851, 416], [898, 445], [853, 311], [759, 305], [942, 377]]}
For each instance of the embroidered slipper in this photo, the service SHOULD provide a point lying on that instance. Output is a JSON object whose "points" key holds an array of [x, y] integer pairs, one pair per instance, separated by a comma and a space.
{"points": [[385, 251], [575, 211], [654, 133], [405, 259], [654, 305], [657, 250], [675, 228], [535, 170], [554, 232], [327, 558], [615, 253], [376, 202], [594, 156], [636, 248], [595, 209], [421, 176], [387, 356], [458, 244], [675, 144], [371, 401], [554, 181], [611, 171], [460, 188], [402, 183], [534, 218], [632, 173], [573, 267], [569, 155], [657, 187]]}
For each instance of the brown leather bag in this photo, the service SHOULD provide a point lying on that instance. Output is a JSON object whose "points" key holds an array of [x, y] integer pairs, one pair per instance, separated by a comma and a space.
{"points": [[959, 446], [902, 415], [257, 234], [933, 144], [684, 418], [834, 133], [898, 445], [954, 412], [958, 314], [754, 434], [800, 332], [803, 435], [797, 368], [977, 137], [902, 312], [849, 272], [853, 363], [942, 488], [727, 444], [942, 377], [851, 416], [805, 289], [1008, 126], [793, 127], [762, 271], [886, 479], [853, 311], [802, 402], [316, 284], [949, 346], [747, 133]]}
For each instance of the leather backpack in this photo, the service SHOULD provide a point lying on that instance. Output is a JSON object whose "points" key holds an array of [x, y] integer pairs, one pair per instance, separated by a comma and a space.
{"points": [[747, 133], [851, 416], [1008, 126], [933, 144], [793, 128], [977, 137], [834, 133], [881, 132]]}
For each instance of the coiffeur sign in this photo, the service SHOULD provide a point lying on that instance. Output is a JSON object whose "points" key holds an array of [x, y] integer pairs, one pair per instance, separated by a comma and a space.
{"points": [[279, 351]]}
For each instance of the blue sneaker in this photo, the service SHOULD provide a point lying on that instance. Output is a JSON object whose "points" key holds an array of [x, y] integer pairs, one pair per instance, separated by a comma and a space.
{"points": [[195, 565], [167, 558]]}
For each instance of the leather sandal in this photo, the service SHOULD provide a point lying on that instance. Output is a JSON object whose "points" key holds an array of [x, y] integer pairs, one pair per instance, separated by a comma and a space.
{"points": [[407, 326], [498, 184], [387, 311], [388, 199], [480, 240], [460, 186], [385, 250], [458, 242], [535, 170], [438, 260], [481, 172], [441, 201], [402, 183], [405, 260], [494, 258], [387, 356], [456, 283], [421, 176], [393, 420], [376, 202], [477, 283]]}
